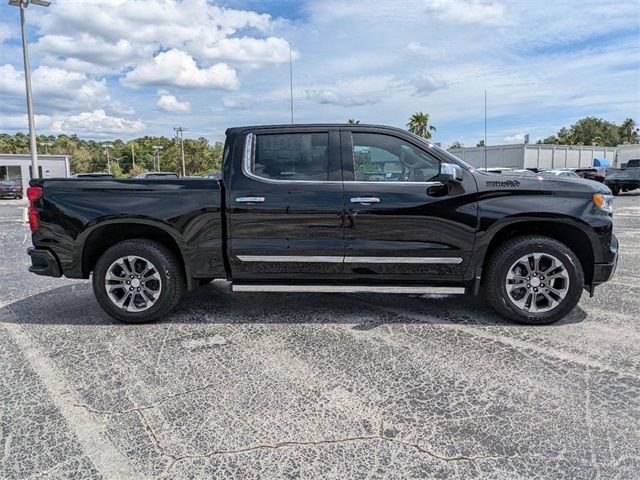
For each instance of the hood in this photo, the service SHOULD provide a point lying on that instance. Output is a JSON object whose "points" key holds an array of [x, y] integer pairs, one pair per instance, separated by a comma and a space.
{"points": [[519, 182]]}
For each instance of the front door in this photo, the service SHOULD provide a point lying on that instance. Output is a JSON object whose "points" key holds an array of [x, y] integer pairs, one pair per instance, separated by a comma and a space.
{"points": [[403, 223], [285, 206]]}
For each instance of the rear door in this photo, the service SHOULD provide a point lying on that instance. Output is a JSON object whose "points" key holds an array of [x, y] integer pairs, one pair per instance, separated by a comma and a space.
{"points": [[403, 223], [285, 205]]}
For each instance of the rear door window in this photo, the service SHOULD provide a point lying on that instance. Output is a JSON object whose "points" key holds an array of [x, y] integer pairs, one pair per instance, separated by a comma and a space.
{"points": [[292, 156]]}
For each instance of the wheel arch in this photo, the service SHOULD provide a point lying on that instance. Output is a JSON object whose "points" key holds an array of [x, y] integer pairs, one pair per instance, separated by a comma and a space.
{"points": [[566, 231], [106, 234]]}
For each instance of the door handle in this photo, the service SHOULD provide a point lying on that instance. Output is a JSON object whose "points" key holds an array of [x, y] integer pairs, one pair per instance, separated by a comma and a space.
{"points": [[365, 200], [249, 199]]}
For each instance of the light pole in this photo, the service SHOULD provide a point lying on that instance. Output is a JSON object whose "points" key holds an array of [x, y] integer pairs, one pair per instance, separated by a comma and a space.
{"points": [[179, 133], [156, 155], [107, 147], [27, 78], [291, 79]]}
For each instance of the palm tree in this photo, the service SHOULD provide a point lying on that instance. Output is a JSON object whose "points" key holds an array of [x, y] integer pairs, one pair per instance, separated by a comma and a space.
{"points": [[419, 125], [480, 143], [353, 121], [628, 131]]}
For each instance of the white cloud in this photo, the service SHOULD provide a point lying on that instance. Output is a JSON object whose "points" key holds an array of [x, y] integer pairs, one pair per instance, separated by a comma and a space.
{"points": [[517, 138], [95, 123], [178, 68], [426, 85], [121, 33], [250, 50], [433, 53], [169, 103], [468, 11], [6, 32], [235, 102], [54, 89], [325, 96]]}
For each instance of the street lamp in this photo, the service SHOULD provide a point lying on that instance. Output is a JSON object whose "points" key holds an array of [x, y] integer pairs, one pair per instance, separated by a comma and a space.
{"points": [[156, 154], [180, 133], [107, 146], [27, 78]]}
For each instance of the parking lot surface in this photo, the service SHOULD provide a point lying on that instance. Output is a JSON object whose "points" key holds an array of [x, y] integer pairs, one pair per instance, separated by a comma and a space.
{"points": [[316, 385]]}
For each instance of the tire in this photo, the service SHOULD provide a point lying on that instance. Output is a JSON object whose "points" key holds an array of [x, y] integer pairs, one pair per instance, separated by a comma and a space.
{"points": [[160, 292], [614, 189], [506, 266]]}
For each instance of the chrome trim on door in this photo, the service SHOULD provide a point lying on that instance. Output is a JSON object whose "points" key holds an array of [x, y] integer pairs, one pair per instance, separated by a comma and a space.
{"points": [[292, 258], [348, 259], [249, 199], [365, 200], [436, 260], [418, 289]]}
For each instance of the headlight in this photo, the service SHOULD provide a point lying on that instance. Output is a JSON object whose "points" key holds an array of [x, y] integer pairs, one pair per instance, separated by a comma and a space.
{"points": [[603, 202]]}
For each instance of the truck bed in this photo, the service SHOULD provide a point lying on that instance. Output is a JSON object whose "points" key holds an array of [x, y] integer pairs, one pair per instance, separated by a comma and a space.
{"points": [[80, 215]]}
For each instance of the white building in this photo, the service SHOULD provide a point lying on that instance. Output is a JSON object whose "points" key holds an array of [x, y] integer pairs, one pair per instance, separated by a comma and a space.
{"points": [[535, 156], [18, 167]]}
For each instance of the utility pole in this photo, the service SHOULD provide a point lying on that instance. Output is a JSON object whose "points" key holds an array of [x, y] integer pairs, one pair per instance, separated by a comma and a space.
{"points": [[156, 156], [291, 79], [107, 147], [485, 130], [179, 133], [27, 78], [133, 156]]}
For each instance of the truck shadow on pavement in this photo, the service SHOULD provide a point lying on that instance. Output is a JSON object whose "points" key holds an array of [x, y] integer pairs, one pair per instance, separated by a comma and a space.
{"points": [[216, 304]]}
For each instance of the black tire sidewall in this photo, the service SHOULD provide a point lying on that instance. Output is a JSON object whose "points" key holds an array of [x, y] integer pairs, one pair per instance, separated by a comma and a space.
{"points": [[159, 257], [574, 270]]}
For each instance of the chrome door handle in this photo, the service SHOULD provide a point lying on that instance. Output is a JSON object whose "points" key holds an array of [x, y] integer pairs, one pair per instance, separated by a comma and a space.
{"points": [[249, 199], [365, 200]]}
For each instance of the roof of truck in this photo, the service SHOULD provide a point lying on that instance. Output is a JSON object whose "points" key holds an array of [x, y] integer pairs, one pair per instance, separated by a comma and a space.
{"points": [[303, 126]]}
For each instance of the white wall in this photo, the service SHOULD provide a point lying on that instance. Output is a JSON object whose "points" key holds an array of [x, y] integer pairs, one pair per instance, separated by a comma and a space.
{"points": [[627, 152], [53, 166], [565, 156], [535, 156]]}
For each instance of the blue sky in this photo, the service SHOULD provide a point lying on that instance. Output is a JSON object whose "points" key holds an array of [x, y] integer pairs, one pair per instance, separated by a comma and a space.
{"points": [[105, 69]]}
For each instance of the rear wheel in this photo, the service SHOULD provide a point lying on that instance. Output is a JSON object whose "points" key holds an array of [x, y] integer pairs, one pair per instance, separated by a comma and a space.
{"points": [[137, 281], [615, 189], [534, 280]]}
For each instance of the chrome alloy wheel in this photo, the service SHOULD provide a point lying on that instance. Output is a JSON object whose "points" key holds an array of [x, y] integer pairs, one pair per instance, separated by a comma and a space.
{"points": [[537, 282], [133, 283]]}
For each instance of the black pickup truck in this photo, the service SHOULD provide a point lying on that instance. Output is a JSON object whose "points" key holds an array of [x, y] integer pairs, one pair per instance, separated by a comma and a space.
{"points": [[329, 208]]}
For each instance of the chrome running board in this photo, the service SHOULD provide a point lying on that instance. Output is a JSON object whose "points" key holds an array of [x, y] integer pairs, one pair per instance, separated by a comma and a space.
{"points": [[417, 289]]}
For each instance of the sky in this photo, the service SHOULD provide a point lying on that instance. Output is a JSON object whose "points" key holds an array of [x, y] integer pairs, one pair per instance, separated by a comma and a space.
{"points": [[127, 68]]}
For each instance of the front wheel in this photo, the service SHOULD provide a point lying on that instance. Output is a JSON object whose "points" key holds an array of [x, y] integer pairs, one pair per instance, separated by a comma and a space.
{"points": [[137, 281], [534, 280], [615, 189]]}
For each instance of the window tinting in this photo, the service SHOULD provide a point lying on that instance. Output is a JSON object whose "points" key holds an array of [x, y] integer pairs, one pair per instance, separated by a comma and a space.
{"points": [[383, 158], [292, 156]]}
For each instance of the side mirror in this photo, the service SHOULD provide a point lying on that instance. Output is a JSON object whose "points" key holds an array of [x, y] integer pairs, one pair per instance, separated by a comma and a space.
{"points": [[450, 173]]}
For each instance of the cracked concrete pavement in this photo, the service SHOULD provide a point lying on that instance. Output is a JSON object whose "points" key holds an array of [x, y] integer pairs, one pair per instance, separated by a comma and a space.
{"points": [[251, 385]]}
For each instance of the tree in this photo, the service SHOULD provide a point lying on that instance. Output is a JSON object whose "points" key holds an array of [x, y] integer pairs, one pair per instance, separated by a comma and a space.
{"points": [[419, 125], [353, 121], [595, 131], [480, 143], [456, 144], [628, 131]]}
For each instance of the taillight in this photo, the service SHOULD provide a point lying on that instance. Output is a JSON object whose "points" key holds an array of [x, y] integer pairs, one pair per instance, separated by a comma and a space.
{"points": [[33, 194]]}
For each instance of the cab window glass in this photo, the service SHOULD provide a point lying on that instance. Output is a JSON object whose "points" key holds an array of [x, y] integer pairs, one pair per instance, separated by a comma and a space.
{"points": [[292, 156], [383, 158]]}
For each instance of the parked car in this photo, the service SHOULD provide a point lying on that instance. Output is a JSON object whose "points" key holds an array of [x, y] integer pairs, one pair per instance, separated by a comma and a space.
{"points": [[157, 175], [10, 189], [624, 179], [293, 213], [213, 175], [102, 176], [593, 173], [560, 173]]}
